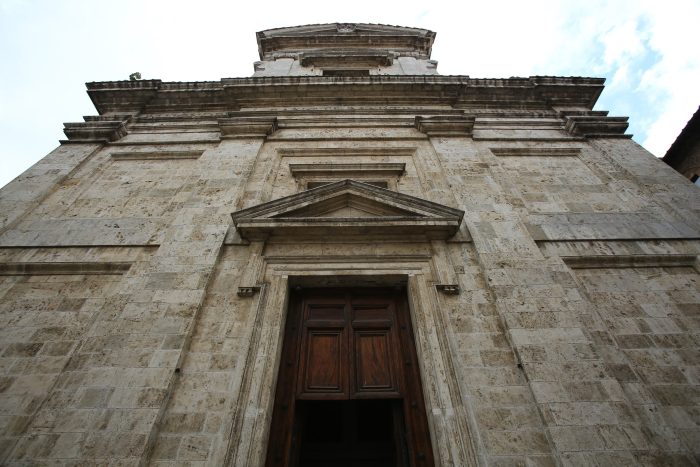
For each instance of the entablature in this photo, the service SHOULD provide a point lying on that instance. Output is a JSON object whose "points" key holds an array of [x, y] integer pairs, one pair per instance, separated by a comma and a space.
{"points": [[460, 92]]}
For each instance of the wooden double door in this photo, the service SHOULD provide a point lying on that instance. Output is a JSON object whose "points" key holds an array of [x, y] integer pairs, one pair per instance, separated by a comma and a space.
{"points": [[348, 391]]}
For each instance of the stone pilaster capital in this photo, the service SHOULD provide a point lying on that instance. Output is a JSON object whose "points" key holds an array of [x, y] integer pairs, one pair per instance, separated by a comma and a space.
{"points": [[101, 129], [445, 125], [247, 127], [594, 126]]}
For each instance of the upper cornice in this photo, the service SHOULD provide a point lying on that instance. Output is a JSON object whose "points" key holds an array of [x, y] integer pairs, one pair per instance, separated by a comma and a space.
{"points": [[460, 92], [296, 40]]}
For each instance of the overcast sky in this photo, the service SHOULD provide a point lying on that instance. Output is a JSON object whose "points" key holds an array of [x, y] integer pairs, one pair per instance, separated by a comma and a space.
{"points": [[647, 50]]}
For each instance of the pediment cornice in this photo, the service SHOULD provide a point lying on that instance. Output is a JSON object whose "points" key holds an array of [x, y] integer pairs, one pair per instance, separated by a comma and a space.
{"points": [[403, 40], [315, 214]]}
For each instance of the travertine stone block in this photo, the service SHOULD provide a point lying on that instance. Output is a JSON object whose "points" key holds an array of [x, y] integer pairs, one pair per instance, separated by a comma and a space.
{"points": [[555, 321]]}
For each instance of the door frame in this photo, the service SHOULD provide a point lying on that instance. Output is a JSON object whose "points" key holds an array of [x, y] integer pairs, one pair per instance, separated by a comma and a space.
{"points": [[452, 429]]}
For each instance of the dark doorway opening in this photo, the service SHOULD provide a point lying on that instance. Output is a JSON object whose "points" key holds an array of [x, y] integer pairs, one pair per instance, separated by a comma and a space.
{"points": [[351, 433], [348, 390]]}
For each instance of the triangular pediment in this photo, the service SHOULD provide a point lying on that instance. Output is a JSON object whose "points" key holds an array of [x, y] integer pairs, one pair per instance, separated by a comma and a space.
{"points": [[292, 41], [347, 208]]}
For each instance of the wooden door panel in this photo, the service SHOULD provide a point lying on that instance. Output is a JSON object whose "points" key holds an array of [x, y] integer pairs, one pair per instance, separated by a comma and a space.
{"points": [[374, 364], [369, 313], [345, 344], [321, 312], [324, 363]]}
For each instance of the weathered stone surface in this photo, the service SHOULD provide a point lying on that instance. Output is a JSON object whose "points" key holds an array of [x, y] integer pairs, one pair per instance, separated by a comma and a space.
{"points": [[555, 313]]}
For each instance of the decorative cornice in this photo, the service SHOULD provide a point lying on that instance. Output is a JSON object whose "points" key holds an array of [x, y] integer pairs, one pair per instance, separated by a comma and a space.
{"points": [[122, 96], [313, 214], [247, 127], [537, 152], [630, 261], [522, 94], [594, 126], [38, 269], [156, 155], [345, 58], [402, 40], [347, 169], [347, 152], [446, 125], [96, 130]]}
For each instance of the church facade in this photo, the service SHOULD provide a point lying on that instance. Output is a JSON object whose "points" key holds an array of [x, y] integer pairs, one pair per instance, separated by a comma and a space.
{"points": [[349, 259]]}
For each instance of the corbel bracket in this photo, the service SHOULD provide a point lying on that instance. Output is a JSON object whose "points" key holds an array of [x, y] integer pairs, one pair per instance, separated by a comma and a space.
{"points": [[248, 291], [448, 289]]}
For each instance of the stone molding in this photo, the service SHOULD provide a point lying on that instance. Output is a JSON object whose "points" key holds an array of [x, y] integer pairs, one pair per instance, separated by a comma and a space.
{"points": [[122, 96], [320, 120], [452, 422], [448, 289], [535, 93], [417, 42], [247, 127], [348, 152], [346, 58], [593, 126], [347, 170], [447, 125], [62, 268], [96, 130], [305, 214], [247, 291], [630, 261], [536, 152], [156, 155]]}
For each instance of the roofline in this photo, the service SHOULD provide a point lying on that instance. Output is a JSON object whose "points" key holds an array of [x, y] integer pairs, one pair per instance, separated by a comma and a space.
{"points": [[535, 92], [689, 136]]}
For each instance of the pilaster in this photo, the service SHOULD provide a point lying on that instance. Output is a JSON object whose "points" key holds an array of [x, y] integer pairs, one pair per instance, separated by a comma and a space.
{"points": [[133, 351]]}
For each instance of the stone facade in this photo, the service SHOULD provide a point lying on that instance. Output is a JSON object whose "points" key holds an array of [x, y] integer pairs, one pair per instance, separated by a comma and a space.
{"points": [[550, 263]]}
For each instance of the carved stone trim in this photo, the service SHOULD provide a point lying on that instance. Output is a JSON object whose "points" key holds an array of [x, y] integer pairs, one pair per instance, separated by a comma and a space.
{"points": [[451, 412], [325, 121], [347, 152], [448, 289], [95, 131], [247, 127], [461, 92], [156, 155], [387, 213], [345, 27], [630, 261], [447, 125], [43, 269], [407, 41], [123, 96], [537, 152], [347, 170], [247, 291], [592, 126], [345, 59]]}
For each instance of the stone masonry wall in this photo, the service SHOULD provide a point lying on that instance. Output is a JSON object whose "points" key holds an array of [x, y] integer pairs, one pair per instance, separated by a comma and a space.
{"points": [[125, 363], [645, 323], [123, 340]]}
